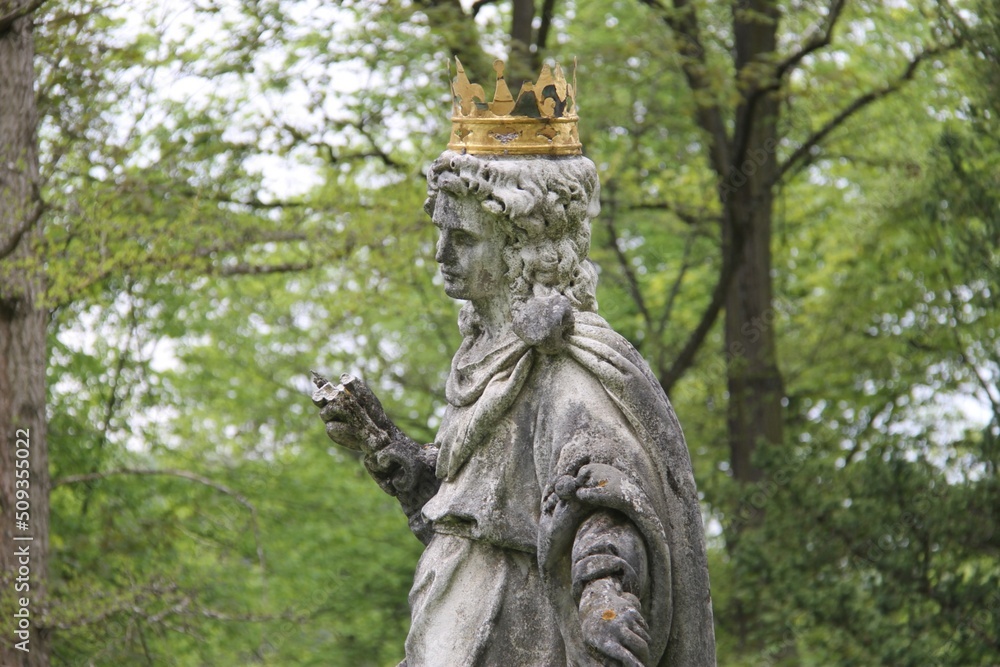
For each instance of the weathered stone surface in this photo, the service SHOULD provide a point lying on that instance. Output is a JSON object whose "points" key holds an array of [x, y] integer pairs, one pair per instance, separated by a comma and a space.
{"points": [[557, 502]]}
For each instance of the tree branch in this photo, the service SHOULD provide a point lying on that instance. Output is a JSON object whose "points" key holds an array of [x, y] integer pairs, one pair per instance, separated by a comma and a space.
{"points": [[327, 151], [676, 287], [251, 202], [983, 382], [631, 282], [730, 262], [386, 159], [244, 269], [819, 38], [14, 240], [686, 214], [279, 237], [7, 20], [333, 158], [130, 605], [256, 202], [802, 153], [683, 21], [112, 402], [66, 17]]}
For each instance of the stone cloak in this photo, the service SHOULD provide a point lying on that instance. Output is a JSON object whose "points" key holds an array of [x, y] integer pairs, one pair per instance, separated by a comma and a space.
{"points": [[653, 486]]}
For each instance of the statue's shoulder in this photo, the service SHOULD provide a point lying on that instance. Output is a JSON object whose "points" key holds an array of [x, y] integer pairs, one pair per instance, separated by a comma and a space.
{"points": [[595, 327], [605, 346]]}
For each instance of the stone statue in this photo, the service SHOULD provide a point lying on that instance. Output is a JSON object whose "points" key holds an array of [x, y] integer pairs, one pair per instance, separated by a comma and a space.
{"points": [[557, 503]]}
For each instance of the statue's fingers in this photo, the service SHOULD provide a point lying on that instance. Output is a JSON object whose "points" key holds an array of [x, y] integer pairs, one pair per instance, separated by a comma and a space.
{"points": [[591, 494], [571, 465], [565, 487], [343, 406], [601, 475], [632, 600], [616, 651], [635, 643], [384, 483], [632, 613], [331, 412], [549, 503], [637, 624], [337, 412], [604, 486], [322, 395], [364, 396], [343, 435]]}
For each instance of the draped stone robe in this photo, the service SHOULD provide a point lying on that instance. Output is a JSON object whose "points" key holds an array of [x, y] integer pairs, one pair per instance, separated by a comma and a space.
{"points": [[514, 541]]}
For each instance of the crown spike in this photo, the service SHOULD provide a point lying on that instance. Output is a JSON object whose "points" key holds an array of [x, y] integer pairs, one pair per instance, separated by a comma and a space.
{"points": [[572, 91], [465, 92], [561, 84], [502, 100]]}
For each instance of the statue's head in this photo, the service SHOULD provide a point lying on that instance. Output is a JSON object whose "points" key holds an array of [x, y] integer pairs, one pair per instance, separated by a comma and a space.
{"points": [[538, 211]]}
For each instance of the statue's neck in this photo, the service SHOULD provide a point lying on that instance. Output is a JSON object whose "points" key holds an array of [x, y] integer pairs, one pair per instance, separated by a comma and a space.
{"points": [[494, 318]]}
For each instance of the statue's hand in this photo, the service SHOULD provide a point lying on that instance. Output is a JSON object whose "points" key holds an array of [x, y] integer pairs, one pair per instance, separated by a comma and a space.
{"points": [[353, 415], [612, 623]]}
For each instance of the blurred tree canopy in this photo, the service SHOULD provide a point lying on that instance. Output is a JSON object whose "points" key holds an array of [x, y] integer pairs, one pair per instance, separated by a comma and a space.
{"points": [[800, 231]]}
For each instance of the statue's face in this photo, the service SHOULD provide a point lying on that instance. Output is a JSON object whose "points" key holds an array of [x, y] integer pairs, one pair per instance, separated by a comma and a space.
{"points": [[469, 248]]}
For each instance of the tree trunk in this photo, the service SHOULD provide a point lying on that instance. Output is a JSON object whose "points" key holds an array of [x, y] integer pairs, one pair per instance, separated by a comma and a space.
{"points": [[754, 381], [754, 413], [22, 354], [520, 59]]}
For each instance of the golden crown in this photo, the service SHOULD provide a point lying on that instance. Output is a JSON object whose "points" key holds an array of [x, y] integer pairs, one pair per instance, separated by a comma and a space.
{"points": [[541, 121]]}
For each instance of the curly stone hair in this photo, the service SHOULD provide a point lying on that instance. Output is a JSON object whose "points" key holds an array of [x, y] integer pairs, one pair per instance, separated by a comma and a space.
{"points": [[544, 207]]}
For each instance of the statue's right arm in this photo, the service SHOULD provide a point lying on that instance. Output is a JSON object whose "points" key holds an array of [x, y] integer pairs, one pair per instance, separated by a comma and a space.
{"points": [[406, 470], [402, 467]]}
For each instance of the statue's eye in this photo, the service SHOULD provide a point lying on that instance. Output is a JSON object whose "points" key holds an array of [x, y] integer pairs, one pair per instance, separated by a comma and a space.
{"points": [[463, 238]]}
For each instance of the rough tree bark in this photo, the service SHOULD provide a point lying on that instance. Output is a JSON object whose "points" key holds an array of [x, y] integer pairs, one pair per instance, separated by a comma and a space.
{"points": [[754, 380], [22, 336]]}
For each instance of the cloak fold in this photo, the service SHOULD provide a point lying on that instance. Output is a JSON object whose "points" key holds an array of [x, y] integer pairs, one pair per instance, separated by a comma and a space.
{"points": [[664, 508]]}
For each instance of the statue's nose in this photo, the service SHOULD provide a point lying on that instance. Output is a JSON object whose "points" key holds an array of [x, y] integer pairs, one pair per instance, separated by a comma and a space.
{"points": [[443, 250]]}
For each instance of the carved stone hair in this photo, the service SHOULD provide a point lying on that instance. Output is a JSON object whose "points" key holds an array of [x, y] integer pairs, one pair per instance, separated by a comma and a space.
{"points": [[543, 206]]}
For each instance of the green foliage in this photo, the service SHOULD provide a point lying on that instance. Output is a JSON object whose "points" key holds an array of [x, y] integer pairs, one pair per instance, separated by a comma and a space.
{"points": [[200, 516]]}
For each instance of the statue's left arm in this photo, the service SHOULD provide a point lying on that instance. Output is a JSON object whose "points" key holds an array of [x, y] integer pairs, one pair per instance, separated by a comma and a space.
{"points": [[599, 523], [610, 575], [401, 467]]}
